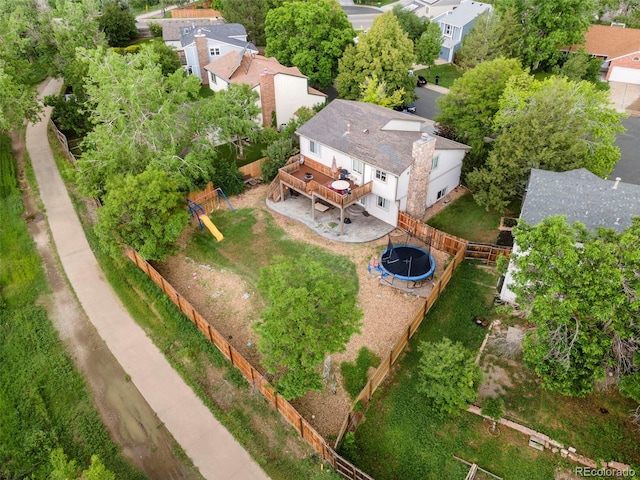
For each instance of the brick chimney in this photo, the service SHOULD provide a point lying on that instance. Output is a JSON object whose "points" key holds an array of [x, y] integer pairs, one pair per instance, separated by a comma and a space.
{"points": [[422, 154], [267, 97], [203, 56]]}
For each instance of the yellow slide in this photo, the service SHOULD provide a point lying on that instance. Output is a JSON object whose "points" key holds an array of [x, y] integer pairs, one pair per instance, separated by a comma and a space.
{"points": [[212, 228]]}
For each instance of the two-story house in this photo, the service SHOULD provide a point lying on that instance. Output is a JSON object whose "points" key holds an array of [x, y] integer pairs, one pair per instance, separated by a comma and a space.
{"points": [[202, 45], [580, 196], [282, 90], [387, 161], [455, 24]]}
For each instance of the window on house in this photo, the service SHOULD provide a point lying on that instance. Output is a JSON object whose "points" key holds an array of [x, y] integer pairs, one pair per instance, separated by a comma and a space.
{"points": [[183, 57], [314, 147], [448, 30], [382, 202], [441, 193], [214, 51], [434, 165], [363, 201], [382, 176], [357, 166], [212, 78]]}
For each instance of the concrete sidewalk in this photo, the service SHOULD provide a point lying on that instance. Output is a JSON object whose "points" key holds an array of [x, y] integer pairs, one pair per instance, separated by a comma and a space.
{"points": [[208, 444]]}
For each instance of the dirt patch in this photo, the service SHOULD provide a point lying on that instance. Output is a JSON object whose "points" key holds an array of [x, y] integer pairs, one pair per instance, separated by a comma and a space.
{"points": [[128, 418], [232, 306]]}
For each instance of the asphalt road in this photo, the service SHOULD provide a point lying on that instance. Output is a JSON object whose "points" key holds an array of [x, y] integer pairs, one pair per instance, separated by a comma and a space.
{"points": [[627, 168], [361, 17]]}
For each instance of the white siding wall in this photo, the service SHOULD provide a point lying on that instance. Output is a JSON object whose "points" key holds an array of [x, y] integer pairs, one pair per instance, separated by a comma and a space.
{"points": [[291, 94], [446, 175], [219, 84], [192, 59]]}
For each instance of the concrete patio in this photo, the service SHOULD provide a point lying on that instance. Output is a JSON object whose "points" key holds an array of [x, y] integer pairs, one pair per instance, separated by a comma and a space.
{"points": [[362, 228]]}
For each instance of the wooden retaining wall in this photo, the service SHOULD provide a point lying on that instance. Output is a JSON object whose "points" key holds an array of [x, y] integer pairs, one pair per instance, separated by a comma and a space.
{"points": [[252, 375]]}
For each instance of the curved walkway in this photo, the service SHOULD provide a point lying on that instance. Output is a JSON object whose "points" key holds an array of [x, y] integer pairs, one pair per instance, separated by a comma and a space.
{"points": [[208, 444]]}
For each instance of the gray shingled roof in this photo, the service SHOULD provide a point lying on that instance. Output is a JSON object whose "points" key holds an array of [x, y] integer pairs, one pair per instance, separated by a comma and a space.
{"points": [[389, 150], [465, 13], [582, 197], [222, 33], [171, 28]]}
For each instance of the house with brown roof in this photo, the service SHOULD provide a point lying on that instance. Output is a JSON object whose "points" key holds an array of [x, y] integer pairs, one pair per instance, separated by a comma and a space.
{"points": [[282, 90], [619, 49], [385, 161]]}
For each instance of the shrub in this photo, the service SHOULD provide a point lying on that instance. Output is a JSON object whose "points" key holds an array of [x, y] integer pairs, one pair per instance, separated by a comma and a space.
{"points": [[228, 177], [155, 29], [449, 377], [277, 153]]}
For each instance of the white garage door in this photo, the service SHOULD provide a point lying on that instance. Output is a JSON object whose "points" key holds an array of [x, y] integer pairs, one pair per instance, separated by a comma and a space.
{"points": [[625, 75]]}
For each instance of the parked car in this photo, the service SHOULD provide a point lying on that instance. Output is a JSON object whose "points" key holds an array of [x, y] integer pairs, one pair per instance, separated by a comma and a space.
{"points": [[421, 81], [411, 108]]}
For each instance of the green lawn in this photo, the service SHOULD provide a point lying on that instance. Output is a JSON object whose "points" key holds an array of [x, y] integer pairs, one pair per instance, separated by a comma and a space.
{"points": [[466, 219], [261, 430], [205, 91], [252, 153], [44, 402], [447, 73], [403, 438]]}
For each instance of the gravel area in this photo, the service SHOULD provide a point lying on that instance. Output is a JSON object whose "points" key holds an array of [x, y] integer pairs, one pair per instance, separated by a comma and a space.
{"points": [[229, 303]]}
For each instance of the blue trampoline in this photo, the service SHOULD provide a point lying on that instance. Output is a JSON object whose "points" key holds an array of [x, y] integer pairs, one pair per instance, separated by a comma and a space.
{"points": [[407, 262]]}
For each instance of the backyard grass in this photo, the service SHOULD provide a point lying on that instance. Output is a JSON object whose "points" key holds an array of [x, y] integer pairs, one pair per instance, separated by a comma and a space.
{"points": [[597, 425], [447, 74], [271, 442], [403, 438], [205, 91], [244, 251], [44, 402], [252, 152], [354, 375], [466, 219]]}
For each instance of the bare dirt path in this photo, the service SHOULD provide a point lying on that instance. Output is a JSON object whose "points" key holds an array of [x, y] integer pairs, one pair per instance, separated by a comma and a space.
{"points": [[128, 417]]}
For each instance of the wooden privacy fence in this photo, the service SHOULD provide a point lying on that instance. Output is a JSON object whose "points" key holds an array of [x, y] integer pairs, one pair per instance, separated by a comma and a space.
{"points": [[195, 13], [450, 243], [63, 142], [352, 420], [252, 375], [253, 169]]}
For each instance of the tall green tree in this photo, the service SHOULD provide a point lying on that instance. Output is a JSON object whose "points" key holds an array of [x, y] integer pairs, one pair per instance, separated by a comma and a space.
{"points": [[554, 124], [548, 25], [311, 312], [17, 102], [140, 118], [252, 14], [428, 46], [467, 112], [310, 35], [384, 51], [493, 35], [77, 26], [375, 91], [410, 23], [143, 211], [118, 23], [582, 291], [65, 469], [448, 376]]}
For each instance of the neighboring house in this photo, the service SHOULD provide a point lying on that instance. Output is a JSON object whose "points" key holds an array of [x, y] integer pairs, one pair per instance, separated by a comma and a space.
{"points": [[202, 45], [455, 24], [431, 8], [390, 160], [282, 90], [172, 28], [580, 196], [619, 49]]}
